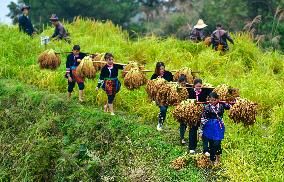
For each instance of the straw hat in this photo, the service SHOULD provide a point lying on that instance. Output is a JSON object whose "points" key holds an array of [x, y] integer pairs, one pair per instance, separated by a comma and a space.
{"points": [[200, 24], [53, 17]]}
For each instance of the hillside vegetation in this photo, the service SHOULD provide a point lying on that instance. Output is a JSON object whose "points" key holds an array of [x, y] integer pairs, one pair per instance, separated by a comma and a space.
{"points": [[250, 154]]}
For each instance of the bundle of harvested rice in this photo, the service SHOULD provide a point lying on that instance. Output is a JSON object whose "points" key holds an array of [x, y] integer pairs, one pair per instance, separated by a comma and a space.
{"points": [[188, 111], [187, 72], [202, 161], [49, 60], [134, 79], [99, 65], [183, 94], [153, 86], [179, 163], [86, 68], [207, 41], [128, 67], [232, 95], [207, 85], [168, 94], [243, 111], [222, 91], [226, 93]]}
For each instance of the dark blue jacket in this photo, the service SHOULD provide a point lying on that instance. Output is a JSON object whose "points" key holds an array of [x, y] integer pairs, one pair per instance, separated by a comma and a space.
{"points": [[25, 25]]}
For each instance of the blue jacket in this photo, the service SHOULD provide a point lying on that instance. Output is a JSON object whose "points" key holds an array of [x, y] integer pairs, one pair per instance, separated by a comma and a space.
{"points": [[25, 25]]}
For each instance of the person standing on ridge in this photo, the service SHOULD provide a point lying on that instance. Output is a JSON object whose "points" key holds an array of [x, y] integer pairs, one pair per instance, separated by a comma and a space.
{"points": [[25, 24]]}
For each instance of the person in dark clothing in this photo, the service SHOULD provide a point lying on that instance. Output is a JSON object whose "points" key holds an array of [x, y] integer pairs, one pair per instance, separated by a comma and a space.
{"points": [[197, 33], [109, 82], [160, 72], [200, 94], [60, 33], [219, 39], [71, 65], [25, 24], [212, 126]]}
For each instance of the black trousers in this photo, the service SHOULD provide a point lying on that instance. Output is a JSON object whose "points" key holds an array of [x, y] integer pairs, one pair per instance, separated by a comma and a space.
{"points": [[193, 140], [71, 86], [214, 148], [110, 99]]}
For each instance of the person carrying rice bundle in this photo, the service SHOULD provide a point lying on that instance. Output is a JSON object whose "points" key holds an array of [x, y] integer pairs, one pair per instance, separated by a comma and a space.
{"points": [[200, 94], [71, 65], [212, 126], [109, 82], [219, 39], [160, 72]]}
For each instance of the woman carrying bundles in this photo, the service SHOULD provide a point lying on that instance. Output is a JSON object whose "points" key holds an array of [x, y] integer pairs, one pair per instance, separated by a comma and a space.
{"points": [[212, 126], [200, 94], [160, 72], [71, 65], [109, 82]]}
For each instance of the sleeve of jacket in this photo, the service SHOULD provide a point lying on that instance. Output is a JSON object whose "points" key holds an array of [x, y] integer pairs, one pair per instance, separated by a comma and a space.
{"points": [[102, 77], [212, 39], [154, 76], [61, 32], [119, 66], [226, 106], [21, 28], [68, 68], [229, 38], [172, 77], [54, 33]]}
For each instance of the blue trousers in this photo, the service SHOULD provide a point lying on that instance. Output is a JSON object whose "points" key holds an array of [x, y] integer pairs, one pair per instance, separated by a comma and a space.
{"points": [[162, 115]]}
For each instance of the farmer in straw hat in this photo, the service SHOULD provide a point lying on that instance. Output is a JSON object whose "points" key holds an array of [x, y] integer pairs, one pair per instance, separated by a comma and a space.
{"points": [[197, 33], [25, 24], [219, 39], [60, 32], [71, 65]]}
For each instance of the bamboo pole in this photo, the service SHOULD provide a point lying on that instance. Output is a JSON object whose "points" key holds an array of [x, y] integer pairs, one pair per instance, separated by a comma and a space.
{"points": [[104, 62]]}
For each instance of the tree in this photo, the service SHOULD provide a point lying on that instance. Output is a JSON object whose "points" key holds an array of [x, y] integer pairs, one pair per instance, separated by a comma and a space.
{"points": [[119, 11]]}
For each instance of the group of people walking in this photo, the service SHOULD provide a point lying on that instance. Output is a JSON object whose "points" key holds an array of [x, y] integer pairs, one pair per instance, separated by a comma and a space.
{"points": [[210, 127]]}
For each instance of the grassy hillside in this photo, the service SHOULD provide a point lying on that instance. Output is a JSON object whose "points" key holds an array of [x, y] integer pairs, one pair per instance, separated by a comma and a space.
{"points": [[46, 138], [250, 154]]}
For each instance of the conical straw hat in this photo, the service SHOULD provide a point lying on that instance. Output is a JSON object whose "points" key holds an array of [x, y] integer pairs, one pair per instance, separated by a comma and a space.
{"points": [[200, 24]]}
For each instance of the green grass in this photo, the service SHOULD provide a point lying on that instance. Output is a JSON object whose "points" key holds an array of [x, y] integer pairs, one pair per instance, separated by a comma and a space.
{"points": [[250, 154], [45, 137]]}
